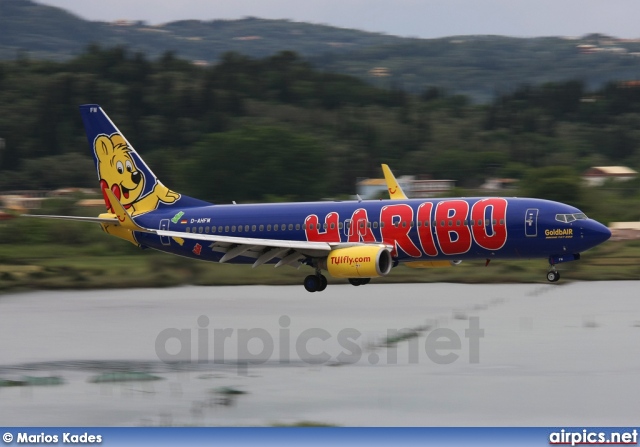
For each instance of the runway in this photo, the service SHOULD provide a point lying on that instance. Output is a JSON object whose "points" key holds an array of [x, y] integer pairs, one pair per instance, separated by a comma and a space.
{"points": [[392, 355]]}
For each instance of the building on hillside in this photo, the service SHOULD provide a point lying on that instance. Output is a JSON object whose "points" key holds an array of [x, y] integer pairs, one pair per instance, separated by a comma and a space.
{"points": [[499, 184], [21, 201], [597, 175], [624, 231], [5, 216], [373, 188]]}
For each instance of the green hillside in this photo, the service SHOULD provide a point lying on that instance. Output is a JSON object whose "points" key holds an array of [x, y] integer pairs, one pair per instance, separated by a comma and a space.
{"points": [[478, 66]]}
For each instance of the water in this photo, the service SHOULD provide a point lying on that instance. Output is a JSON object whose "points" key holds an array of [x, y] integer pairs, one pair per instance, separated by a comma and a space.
{"points": [[550, 355]]}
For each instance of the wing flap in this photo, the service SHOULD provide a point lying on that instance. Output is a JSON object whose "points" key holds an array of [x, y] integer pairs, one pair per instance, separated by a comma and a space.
{"points": [[234, 240]]}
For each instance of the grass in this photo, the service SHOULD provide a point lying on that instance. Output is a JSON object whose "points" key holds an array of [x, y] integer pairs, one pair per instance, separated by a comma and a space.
{"points": [[94, 266]]}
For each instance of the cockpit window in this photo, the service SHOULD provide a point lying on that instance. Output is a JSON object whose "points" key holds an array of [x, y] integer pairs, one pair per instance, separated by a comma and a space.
{"points": [[570, 217]]}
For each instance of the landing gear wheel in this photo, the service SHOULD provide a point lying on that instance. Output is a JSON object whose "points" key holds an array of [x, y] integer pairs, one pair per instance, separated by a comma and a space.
{"points": [[315, 283], [553, 276], [359, 281], [323, 283], [311, 283]]}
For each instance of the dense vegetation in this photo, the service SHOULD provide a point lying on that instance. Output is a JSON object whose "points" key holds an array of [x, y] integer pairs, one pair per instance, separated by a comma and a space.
{"points": [[478, 66], [277, 129]]}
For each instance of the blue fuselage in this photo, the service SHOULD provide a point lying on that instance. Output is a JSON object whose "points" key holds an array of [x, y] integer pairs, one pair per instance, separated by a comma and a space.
{"points": [[419, 229]]}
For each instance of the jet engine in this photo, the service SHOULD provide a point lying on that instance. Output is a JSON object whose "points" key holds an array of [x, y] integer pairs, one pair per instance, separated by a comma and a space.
{"points": [[362, 261]]}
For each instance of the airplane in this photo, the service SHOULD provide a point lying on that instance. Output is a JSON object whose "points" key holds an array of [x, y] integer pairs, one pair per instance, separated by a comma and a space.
{"points": [[357, 240]]}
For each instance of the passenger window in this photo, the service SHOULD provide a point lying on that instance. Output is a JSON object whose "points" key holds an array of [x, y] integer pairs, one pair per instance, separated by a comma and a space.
{"points": [[239, 228], [297, 226], [268, 227], [495, 221], [340, 225], [375, 225], [261, 227], [188, 230], [253, 228], [220, 229], [213, 229], [246, 228], [411, 224], [381, 224], [442, 223], [450, 223], [501, 221], [324, 226], [457, 223], [311, 226], [333, 225], [275, 228], [206, 230], [200, 230], [419, 223], [290, 227], [233, 229]]}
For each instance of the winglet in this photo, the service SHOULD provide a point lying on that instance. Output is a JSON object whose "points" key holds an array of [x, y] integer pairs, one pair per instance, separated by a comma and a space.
{"points": [[123, 216], [395, 191]]}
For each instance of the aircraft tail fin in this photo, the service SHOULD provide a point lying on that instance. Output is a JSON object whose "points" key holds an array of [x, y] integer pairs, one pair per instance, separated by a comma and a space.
{"points": [[122, 171], [395, 191]]}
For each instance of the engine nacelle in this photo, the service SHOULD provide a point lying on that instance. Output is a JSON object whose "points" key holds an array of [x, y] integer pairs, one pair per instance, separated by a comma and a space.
{"points": [[359, 262]]}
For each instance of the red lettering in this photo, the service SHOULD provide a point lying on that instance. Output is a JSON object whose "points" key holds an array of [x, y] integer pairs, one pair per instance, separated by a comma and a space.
{"points": [[331, 231], [498, 213], [424, 229], [360, 230], [396, 223], [454, 237]]}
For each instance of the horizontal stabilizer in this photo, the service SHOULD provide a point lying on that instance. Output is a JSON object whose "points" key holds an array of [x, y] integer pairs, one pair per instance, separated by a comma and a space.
{"points": [[101, 220]]}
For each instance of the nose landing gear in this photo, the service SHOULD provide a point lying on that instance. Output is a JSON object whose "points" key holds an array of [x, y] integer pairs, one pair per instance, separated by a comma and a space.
{"points": [[553, 275]]}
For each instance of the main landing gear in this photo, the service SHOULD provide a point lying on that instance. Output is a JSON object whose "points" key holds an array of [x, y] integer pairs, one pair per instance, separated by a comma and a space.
{"points": [[359, 281], [318, 282], [315, 283]]}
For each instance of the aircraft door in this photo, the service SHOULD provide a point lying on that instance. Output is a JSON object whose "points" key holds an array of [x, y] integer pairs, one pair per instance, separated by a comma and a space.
{"points": [[164, 225], [531, 222]]}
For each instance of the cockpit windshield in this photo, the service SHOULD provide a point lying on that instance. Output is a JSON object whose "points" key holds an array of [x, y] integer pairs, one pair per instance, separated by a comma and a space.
{"points": [[567, 218]]}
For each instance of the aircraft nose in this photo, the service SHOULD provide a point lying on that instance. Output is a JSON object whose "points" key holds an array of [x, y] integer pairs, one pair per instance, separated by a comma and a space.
{"points": [[598, 233]]}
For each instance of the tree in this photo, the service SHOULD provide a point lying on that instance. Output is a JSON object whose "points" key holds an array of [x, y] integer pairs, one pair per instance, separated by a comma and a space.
{"points": [[254, 162]]}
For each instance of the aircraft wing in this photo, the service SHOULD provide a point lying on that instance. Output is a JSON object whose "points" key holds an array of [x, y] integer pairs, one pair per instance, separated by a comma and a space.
{"points": [[289, 252]]}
